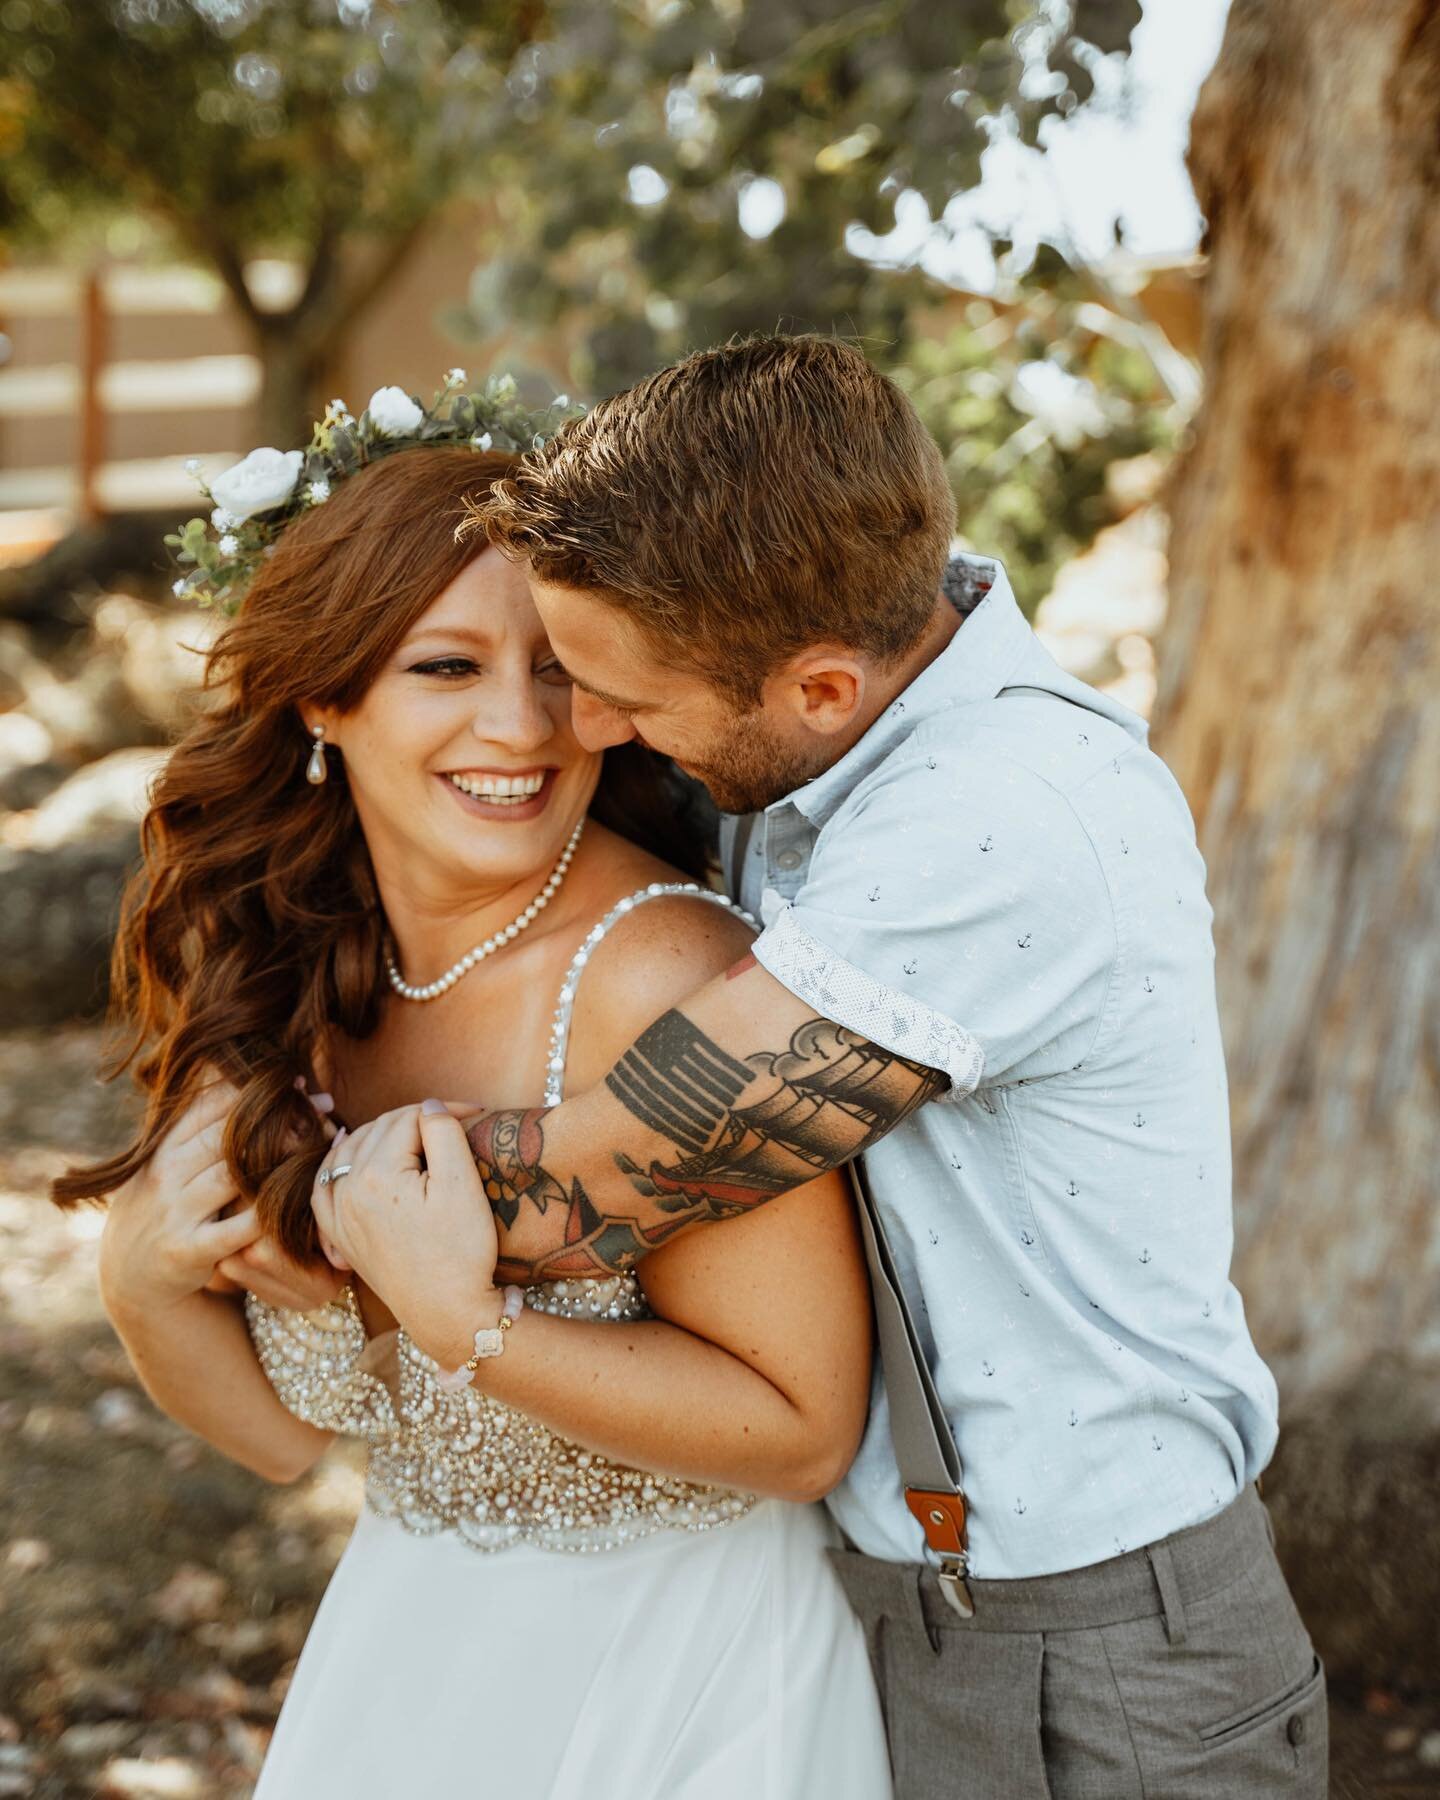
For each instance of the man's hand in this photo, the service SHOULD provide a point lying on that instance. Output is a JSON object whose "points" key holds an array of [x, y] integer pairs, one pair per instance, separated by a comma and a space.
{"points": [[272, 1276], [170, 1226], [410, 1216]]}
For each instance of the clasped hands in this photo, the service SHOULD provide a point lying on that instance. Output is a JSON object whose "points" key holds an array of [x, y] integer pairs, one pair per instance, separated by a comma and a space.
{"points": [[410, 1218], [409, 1215]]}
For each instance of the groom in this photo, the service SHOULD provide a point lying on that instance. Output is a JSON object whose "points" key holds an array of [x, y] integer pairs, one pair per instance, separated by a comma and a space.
{"points": [[986, 964]]}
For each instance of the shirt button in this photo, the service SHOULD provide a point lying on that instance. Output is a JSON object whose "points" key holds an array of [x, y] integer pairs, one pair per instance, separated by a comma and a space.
{"points": [[1295, 1730], [789, 859]]}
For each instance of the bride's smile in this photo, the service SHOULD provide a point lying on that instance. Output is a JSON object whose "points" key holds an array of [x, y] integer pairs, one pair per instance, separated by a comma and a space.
{"points": [[463, 765]]}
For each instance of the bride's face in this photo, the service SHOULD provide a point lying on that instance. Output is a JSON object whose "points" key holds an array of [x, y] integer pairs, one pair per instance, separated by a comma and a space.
{"points": [[461, 758]]}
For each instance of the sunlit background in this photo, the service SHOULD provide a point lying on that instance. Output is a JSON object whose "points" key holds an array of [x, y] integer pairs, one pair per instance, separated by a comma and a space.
{"points": [[216, 215]]}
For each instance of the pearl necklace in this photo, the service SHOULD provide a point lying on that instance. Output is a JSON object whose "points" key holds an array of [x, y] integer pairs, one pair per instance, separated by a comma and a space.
{"points": [[443, 983]]}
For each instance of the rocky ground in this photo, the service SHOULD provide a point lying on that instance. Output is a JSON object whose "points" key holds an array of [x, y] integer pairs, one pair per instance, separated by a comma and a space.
{"points": [[154, 1597]]}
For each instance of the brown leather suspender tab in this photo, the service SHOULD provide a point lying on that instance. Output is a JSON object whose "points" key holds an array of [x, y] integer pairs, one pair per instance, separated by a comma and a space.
{"points": [[941, 1517]]}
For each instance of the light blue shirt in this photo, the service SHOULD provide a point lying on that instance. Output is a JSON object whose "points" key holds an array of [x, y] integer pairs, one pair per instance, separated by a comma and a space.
{"points": [[1001, 880]]}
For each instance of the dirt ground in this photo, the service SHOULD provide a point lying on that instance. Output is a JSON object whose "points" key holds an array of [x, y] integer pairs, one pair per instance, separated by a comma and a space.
{"points": [[154, 1597]]}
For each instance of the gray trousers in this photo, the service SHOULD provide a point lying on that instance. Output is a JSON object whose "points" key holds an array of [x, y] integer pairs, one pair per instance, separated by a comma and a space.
{"points": [[1177, 1672]]}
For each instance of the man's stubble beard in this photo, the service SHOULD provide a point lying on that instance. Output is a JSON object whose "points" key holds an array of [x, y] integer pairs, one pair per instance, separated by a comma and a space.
{"points": [[749, 768]]}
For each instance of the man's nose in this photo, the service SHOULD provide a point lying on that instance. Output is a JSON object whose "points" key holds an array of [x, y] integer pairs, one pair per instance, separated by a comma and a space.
{"points": [[597, 725]]}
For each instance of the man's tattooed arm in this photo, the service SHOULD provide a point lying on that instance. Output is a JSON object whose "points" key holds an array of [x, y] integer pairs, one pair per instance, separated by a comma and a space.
{"points": [[682, 1132]]}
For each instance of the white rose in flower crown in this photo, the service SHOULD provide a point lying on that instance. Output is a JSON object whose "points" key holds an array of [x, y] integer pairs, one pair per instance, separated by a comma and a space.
{"points": [[264, 479], [392, 411]]}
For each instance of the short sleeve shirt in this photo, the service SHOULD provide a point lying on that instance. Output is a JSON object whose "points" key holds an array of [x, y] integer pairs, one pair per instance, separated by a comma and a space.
{"points": [[1001, 881]]}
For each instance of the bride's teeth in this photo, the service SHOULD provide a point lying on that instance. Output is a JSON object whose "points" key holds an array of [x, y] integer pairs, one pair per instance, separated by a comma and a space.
{"points": [[500, 790]]}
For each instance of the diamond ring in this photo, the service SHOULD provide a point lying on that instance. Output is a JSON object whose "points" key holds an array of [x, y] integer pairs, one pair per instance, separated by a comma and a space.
{"points": [[326, 1176]]}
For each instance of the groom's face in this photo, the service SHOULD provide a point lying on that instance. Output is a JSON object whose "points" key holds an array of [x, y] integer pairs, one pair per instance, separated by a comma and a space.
{"points": [[622, 691]]}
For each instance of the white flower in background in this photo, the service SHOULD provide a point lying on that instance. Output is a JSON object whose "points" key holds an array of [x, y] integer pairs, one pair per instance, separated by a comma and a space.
{"points": [[392, 411], [338, 406], [229, 544], [221, 520], [192, 465], [456, 376], [319, 491], [561, 400], [264, 479], [482, 440], [181, 587]]}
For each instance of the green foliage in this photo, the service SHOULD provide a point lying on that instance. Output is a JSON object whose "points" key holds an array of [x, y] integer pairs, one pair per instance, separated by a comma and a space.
{"points": [[1031, 407], [617, 147], [657, 116], [245, 125]]}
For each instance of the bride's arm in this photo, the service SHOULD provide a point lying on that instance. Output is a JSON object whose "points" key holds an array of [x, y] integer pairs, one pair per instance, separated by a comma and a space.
{"points": [[756, 1374], [162, 1241]]}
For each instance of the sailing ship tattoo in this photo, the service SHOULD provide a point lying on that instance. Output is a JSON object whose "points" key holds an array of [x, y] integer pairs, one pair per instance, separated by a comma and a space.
{"points": [[746, 1130]]}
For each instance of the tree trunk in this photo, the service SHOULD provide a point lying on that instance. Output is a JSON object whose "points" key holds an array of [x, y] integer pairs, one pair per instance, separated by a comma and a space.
{"points": [[1300, 708], [293, 364]]}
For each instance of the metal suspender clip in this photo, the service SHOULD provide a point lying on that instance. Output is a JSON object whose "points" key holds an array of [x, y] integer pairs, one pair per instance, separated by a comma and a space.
{"points": [[941, 1517]]}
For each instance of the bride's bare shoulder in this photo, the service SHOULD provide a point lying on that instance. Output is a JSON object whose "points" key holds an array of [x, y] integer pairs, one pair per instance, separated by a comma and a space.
{"points": [[649, 961]]}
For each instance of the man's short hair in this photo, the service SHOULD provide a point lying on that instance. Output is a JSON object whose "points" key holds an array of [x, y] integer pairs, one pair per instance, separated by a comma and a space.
{"points": [[747, 502]]}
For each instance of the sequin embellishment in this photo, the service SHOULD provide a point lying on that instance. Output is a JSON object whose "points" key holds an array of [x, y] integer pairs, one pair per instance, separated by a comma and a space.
{"points": [[461, 1461]]}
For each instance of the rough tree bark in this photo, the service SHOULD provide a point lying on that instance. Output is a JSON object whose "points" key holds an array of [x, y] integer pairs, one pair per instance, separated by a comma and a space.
{"points": [[1300, 708]]}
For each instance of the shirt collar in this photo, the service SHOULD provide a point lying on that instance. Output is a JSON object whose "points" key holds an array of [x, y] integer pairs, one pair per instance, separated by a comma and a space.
{"points": [[977, 662]]}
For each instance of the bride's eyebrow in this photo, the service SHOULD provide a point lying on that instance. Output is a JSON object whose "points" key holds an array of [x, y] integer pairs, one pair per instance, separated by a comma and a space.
{"points": [[448, 634]]}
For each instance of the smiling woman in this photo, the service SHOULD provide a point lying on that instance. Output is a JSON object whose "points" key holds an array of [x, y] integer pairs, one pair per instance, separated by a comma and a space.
{"points": [[257, 923], [674, 1425]]}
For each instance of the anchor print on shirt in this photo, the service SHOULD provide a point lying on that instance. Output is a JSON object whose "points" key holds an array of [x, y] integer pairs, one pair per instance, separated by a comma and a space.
{"points": [[1074, 1418], [1145, 1256], [1024, 942], [1020, 1507], [987, 844]]}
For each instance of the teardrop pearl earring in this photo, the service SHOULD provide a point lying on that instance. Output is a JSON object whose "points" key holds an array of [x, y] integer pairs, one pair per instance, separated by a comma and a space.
{"points": [[316, 769]]}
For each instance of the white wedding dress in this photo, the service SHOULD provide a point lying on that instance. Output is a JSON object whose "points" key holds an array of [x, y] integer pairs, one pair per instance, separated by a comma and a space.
{"points": [[515, 1618]]}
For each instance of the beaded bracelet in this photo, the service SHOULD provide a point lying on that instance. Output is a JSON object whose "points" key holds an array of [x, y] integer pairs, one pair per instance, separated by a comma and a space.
{"points": [[489, 1341]]}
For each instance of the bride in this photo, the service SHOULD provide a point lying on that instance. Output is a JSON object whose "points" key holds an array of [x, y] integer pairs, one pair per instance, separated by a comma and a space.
{"points": [[613, 1581]]}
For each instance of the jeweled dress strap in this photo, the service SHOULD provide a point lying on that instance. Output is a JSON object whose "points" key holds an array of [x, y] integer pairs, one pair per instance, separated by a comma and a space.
{"points": [[560, 1023]]}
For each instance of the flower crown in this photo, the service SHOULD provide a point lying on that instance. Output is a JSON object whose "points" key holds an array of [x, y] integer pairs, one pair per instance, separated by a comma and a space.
{"points": [[258, 497]]}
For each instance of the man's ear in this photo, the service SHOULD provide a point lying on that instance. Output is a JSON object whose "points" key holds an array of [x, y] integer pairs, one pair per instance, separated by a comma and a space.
{"points": [[823, 688]]}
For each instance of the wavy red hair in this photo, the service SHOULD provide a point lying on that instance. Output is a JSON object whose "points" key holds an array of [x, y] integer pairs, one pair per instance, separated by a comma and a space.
{"points": [[254, 923]]}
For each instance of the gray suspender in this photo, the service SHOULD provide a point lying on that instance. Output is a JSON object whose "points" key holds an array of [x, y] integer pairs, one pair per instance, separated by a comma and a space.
{"points": [[925, 1450]]}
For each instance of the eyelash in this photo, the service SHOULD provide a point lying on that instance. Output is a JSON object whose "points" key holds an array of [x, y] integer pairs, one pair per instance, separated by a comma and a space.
{"points": [[456, 668]]}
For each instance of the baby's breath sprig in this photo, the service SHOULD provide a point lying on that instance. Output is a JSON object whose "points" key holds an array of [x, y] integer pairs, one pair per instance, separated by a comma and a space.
{"points": [[253, 502]]}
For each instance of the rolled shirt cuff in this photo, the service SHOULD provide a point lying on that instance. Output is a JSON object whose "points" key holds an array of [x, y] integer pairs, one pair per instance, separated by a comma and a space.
{"points": [[887, 1016]]}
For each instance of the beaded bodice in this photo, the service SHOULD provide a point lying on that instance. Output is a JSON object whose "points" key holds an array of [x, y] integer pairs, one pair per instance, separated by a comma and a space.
{"points": [[460, 1461]]}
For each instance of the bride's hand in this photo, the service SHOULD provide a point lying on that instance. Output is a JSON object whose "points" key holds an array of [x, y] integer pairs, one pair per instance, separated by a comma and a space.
{"points": [[410, 1216]]}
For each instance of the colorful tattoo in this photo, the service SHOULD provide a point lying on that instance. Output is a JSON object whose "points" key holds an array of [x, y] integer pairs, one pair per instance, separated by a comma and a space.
{"points": [[746, 1131]]}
